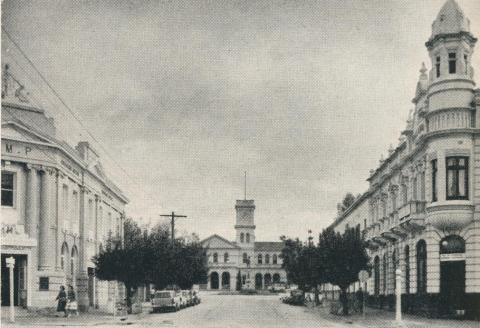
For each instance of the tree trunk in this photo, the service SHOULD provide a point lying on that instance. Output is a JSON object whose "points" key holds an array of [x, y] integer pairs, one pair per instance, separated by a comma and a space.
{"points": [[344, 300], [129, 298], [317, 300]]}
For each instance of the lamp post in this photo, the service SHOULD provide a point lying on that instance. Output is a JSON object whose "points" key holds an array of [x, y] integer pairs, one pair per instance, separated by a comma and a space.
{"points": [[398, 292], [10, 261]]}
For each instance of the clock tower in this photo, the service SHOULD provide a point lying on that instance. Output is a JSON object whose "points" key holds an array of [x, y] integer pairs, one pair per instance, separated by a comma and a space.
{"points": [[244, 224]]}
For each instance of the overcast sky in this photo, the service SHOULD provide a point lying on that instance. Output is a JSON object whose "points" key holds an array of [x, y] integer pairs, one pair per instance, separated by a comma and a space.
{"points": [[187, 95]]}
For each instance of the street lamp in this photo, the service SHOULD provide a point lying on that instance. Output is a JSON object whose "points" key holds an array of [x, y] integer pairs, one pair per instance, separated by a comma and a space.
{"points": [[10, 261]]}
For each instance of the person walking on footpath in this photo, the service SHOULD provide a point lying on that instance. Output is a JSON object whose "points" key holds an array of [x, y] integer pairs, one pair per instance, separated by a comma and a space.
{"points": [[72, 306], [359, 297], [62, 301]]}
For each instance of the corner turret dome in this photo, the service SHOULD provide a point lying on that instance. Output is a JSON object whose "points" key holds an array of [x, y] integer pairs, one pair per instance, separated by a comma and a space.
{"points": [[450, 20]]}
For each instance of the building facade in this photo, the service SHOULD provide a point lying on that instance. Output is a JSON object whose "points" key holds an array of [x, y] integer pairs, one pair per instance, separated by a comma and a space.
{"points": [[58, 208], [421, 213], [257, 264]]}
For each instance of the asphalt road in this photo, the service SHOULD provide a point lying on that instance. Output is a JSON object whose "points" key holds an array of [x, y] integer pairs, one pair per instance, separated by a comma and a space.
{"points": [[234, 311]]}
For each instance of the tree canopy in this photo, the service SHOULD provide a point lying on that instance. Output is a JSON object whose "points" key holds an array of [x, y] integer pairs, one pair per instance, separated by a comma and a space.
{"points": [[151, 257], [336, 259]]}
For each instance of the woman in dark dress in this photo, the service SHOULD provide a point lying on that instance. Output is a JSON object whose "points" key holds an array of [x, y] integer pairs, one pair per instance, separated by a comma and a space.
{"points": [[62, 301]]}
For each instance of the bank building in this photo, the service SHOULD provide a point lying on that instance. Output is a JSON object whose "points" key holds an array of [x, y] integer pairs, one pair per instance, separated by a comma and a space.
{"points": [[421, 213], [58, 208], [256, 263]]}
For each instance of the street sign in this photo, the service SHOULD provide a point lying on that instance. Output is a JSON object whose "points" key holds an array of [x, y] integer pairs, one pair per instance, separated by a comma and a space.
{"points": [[363, 276]]}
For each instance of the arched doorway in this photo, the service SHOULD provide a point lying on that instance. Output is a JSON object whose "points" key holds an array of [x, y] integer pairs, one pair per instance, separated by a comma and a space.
{"points": [[214, 280], [276, 278], [226, 280], [452, 274], [258, 281], [268, 280]]}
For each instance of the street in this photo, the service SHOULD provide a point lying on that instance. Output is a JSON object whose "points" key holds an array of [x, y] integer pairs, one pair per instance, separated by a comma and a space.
{"points": [[239, 311]]}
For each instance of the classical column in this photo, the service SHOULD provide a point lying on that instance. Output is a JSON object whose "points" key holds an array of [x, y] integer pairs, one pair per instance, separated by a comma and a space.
{"points": [[45, 258], [31, 212], [82, 281], [60, 216]]}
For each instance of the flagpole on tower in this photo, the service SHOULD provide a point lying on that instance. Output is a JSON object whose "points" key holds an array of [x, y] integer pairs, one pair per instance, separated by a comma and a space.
{"points": [[245, 186]]}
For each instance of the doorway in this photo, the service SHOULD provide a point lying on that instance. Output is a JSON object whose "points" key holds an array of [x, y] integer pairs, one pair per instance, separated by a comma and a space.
{"points": [[226, 280], [214, 280], [258, 281], [452, 287], [19, 280]]}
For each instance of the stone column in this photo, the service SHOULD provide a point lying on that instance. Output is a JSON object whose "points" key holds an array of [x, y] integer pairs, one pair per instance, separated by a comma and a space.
{"points": [[60, 218], [45, 258], [82, 281], [31, 208]]}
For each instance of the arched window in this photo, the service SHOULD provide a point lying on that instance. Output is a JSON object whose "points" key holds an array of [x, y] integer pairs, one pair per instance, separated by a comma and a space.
{"points": [[247, 237], [63, 255], [274, 259], [376, 271], [404, 194], [407, 269], [245, 258], [421, 267], [242, 237], [215, 258], [267, 259], [259, 258], [394, 264], [225, 257], [74, 264]]}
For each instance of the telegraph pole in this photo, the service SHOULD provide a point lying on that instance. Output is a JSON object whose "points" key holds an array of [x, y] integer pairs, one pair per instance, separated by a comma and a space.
{"points": [[173, 216]]}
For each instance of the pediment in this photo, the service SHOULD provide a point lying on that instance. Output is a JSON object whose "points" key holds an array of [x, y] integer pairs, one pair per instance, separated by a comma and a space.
{"points": [[12, 130], [216, 241]]}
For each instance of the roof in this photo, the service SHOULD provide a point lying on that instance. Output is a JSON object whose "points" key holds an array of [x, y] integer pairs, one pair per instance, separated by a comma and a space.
{"points": [[268, 246], [206, 243], [450, 20]]}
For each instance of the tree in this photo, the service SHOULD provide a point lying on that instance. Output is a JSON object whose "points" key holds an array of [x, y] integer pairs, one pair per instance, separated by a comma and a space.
{"points": [[344, 256], [348, 201], [239, 281], [124, 264]]}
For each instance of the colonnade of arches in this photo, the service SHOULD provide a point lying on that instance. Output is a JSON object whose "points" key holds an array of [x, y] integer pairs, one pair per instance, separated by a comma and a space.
{"points": [[222, 281], [69, 263]]}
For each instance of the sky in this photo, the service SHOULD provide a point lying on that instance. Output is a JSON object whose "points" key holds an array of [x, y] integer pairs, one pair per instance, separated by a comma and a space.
{"points": [[184, 96]]}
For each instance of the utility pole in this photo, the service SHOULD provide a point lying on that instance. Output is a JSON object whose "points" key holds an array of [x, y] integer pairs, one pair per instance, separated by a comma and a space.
{"points": [[173, 216]]}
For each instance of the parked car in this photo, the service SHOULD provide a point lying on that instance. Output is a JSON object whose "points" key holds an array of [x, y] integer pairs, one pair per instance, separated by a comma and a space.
{"points": [[166, 299], [278, 287], [296, 298]]}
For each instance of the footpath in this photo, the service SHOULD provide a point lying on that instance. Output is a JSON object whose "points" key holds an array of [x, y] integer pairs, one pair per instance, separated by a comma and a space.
{"points": [[50, 318], [375, 318]]}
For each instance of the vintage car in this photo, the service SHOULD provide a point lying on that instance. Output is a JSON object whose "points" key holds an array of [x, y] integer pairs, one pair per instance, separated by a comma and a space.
{"points": [[166, 299]]}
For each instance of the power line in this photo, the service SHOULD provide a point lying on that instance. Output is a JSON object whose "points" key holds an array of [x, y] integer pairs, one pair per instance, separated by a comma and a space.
{"points": [[63, 102]]}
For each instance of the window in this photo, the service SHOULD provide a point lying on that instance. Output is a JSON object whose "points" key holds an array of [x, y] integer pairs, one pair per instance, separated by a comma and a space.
{"points": [[437, 66], [465, 58], [457, 178], [422, 186], [407, 269], [247, 237], [452, 63], [415, 189], [404, 194], [274, 259], [65, 213], [245, 258], [394, 201], [7, 189], [260, 259], [44, 283], [421, 267], [376, 272], [215, 258], [75, 212], [434, 180], [242, 237], [267, 259], [63, 255], [385, 269], [225, 257], [394, 264]]}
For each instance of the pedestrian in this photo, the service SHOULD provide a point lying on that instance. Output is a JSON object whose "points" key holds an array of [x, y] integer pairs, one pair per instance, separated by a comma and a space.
{"points": [[359, 299], [72, 306], [62, 301]]}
